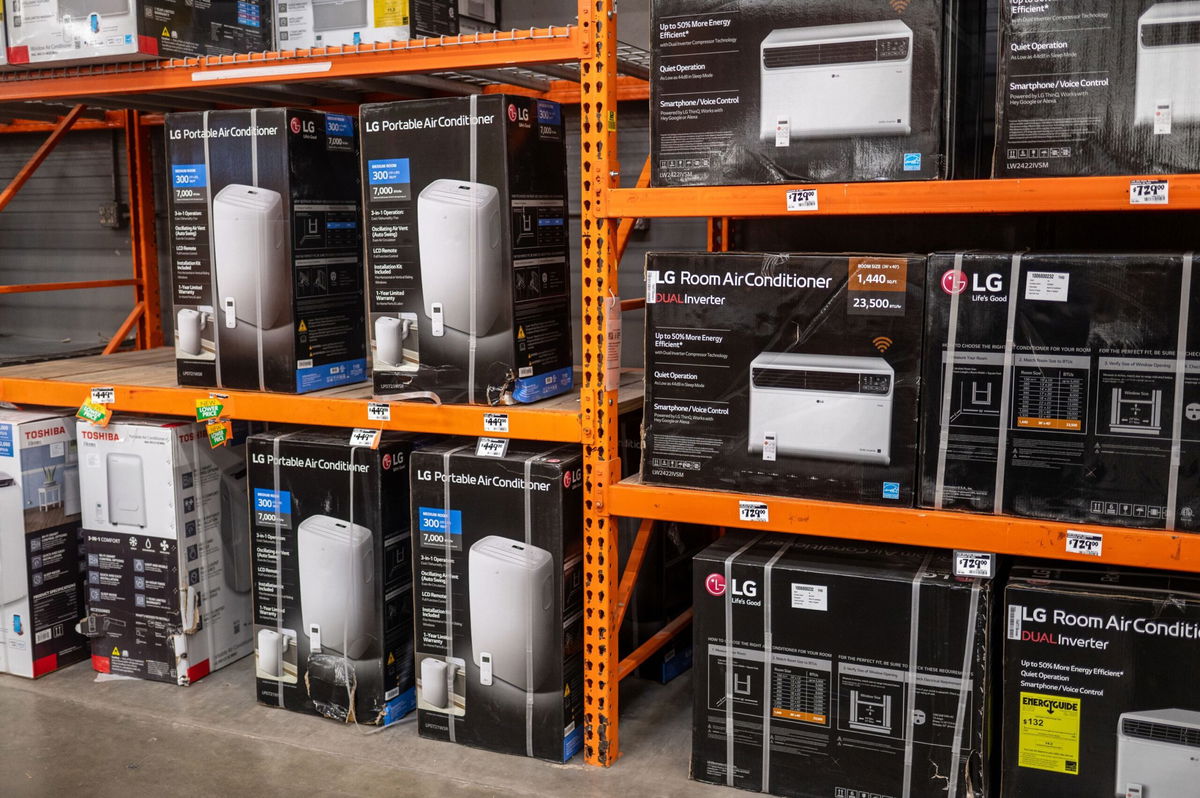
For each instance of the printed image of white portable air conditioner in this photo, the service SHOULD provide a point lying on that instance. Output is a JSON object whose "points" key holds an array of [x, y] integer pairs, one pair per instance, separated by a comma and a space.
{"points": [[1168, 65], [251, 269], [337, 585], [12, 541], [837, 80], [828, 407], [1158, 753], [339, 14], [235, 531], [511, 591], [126, 490], [190, 325], [391, 333]]}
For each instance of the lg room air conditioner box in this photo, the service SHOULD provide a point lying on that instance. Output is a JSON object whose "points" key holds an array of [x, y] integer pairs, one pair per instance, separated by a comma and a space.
{"points": [[458, 227], [823, 406], [235, 531], [1168, 65], [337, 587], [837, 80], [12, 540], [1158, 753], [511, 595], [252, 271], [126, 490], [339, 14]]}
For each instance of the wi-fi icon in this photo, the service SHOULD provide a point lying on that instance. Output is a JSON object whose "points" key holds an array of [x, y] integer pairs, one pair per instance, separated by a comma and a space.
{"points": [[899, 6], [882, 343]]}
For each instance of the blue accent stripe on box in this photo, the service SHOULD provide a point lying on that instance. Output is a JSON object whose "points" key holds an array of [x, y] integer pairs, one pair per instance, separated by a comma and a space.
{"points": [[543, 386]]}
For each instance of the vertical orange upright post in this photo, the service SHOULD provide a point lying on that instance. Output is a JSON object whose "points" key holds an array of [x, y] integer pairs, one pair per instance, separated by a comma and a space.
{"points": [[142, 233], [598, 122]]}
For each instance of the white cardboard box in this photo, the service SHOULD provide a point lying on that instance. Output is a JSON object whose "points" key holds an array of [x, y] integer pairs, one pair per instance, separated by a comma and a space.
{"points": [[304, 24]]}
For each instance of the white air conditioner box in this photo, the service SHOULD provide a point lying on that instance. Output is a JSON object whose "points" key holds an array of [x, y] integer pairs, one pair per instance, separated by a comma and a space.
{"points": [[1168, 65], [1158, 753], [836, 80], [252, 271], [339, 14], [462, 268], [337, 585], [12, 541], [830, 407], [511, 595], [126, 490]]}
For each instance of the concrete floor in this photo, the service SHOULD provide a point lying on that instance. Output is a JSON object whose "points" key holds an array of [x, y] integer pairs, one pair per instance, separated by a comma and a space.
{"points": [[67, 733]]}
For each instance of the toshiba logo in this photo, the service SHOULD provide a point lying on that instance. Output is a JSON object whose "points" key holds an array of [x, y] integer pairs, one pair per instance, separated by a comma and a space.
{"points": [[94, 435], [36, 434]]}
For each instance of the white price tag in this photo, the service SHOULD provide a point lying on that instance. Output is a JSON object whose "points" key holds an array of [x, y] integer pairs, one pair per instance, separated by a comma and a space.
{"points": [[365, 437], [495, 422], [612, 343], [1149, 192], [491, 447], [753, 511], [802, 199], [103, 396], [974, 564], [379, 411], [1089, 543]]}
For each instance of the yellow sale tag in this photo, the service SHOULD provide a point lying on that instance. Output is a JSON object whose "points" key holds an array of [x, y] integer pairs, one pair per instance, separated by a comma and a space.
{"points": [[219, 433], [1049, 737], [208, 409], [97, 415]]}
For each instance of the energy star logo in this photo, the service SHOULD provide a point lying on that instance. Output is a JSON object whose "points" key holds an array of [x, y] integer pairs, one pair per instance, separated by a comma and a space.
{"points": [[715, 584], [954, 282]]}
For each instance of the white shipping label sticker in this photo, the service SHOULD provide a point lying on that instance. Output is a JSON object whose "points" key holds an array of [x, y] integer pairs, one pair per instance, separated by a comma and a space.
{"points": [[1015, 611], [612, 343], [379, 411], [1149, 192], [974, 564], [651, 286], [783, 132], [1047, 286], [810, 597], [491, 447], [802, 199], [1089, 543], [769, 447], [753, 511], [495, 422], [1162, 118], [103, 396]]}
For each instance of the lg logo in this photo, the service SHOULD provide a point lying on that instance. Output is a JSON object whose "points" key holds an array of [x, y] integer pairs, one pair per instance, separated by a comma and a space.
{"points": [[715, 585], [295, 125], [955, 282]]}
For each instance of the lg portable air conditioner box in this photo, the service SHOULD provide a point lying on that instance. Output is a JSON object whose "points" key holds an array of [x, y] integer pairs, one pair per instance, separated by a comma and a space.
{"points": [[1168, 65], [337, 583], [270, 263], [1158, 753], [837, 80], [824, 406]]}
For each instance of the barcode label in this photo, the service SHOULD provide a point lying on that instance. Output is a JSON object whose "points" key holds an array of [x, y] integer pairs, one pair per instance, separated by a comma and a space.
{"points": [[1014, 621], [42, 636]]}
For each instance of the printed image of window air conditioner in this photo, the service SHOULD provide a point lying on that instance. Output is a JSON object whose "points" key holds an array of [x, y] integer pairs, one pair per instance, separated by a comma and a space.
{"points": [[339, 14], [462, 272], [251, 270], [81, 9], [190, 324], [390, 334], [511, 591], [1158, 753], [126, 490], [12, 541], [828, 407], [1168, 65], [235, 531], [870, 712], [337, 586], [836, 80]]}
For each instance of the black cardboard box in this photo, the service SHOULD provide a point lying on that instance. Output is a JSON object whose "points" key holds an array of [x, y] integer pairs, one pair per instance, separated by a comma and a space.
{"points": [[899, 706], [467, 253], [266, 250], [499, 656], [784, 374], [1097, 88], [1100, 696], [1077, 418], [755, 91], [332, 575]]}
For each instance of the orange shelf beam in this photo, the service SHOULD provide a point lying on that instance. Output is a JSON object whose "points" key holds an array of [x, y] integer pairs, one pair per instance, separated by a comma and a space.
{"points": [[1147, 548], [505, 48], [33, 288], [1047, 194]]}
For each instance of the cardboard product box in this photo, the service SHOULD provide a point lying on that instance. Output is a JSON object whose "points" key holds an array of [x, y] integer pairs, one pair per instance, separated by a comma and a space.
{"points": [[756, 91], [468, 268], [900, 707], [499, 657], [1099, 697], [1087, 88], [784, 374], [64, 32], [486, 11], [1055, 387], [3, 39], [332, 578], [168, 548], [266, 255], [328, 23], [41, 564]]}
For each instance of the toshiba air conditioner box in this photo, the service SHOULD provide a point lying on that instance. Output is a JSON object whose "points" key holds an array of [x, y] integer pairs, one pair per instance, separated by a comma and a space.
{"points": [[1098, 89], [302, 24], [54, 33], [41, 563], [167, 591], [332, 574], [498, 591], [755, 91], [853, 670], [467, 250], [792, 374], [1063, 386], [1099, 695], [266, 257]]}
